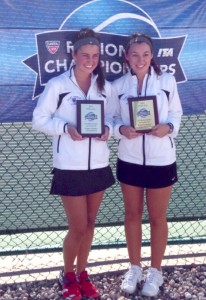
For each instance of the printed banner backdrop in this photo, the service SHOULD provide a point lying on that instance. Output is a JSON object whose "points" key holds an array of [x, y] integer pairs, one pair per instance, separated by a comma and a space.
{"points": [[36, 44]]}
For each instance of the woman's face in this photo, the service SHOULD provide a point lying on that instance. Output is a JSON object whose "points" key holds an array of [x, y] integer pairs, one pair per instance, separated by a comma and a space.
{"points": [[87, 58], [139, 57]]}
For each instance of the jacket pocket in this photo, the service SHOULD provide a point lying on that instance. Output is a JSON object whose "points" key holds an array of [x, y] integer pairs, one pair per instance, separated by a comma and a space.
{"points": [[58, 143], [171, 142]]}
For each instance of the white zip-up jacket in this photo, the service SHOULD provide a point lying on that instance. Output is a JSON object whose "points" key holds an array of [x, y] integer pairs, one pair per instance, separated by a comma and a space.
{"points": [[148, 149], [56, 108]]}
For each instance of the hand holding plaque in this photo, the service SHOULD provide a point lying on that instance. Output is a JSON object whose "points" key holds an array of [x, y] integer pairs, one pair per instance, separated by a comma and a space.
{"points": [[143, 113], [90, 117]]}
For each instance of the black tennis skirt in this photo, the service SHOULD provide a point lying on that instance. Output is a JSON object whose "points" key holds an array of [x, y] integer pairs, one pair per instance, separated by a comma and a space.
{"points": [[146, 176], [80, 182]]}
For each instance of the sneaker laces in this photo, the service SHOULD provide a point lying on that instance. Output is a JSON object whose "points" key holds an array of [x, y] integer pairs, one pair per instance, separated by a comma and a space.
{"points": [[129, 276], [68, 282], [153, 277]]}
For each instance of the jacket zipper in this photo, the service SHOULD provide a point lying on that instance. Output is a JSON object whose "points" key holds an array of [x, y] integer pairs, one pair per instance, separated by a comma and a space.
{"points": [[143, 149], [89, 158]]}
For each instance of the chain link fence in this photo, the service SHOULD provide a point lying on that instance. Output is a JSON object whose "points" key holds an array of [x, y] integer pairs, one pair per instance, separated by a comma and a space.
{"points": [[33, 223]]}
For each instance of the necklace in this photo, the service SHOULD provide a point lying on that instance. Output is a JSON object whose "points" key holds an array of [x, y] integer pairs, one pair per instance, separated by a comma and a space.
{"points": [[140, 87]]}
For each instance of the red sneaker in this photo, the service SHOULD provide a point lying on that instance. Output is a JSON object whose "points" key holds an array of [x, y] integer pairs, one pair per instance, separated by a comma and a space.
{"points": [[87, 288], [70, 286]]}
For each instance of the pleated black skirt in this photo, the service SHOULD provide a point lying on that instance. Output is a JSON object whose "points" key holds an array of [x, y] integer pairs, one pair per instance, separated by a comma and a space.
{"points": [[80, 182]]}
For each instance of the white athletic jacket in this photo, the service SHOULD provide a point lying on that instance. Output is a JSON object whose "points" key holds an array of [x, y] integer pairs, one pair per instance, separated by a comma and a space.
{"points": [[148, 149], [56, 107]]}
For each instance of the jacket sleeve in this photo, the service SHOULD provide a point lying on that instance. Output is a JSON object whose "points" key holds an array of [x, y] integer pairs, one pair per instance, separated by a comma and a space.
{"points": [[44, 119], [110, 108], [117, 114], [175, 108]]}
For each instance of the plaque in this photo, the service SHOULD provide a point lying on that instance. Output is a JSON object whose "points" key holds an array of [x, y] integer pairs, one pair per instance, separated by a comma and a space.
{"points": [[143, 113], [90, 117]]}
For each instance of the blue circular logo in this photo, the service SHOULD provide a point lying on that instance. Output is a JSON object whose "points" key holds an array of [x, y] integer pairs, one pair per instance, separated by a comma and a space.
{"points": [[118, 17]]}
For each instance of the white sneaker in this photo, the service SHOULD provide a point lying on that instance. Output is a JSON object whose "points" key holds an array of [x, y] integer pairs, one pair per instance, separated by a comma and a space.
{"points": [[153, 281], [131, 278]]}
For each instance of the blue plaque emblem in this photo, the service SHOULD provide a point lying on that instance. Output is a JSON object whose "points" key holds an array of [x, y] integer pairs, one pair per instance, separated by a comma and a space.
{"points": [[90, 116], [143, 113]]}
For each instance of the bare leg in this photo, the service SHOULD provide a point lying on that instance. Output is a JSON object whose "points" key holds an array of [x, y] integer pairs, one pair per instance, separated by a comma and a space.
{"points": [[157, 204], [76, 210], [81, 213], [93, 204], [133, 202]]}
